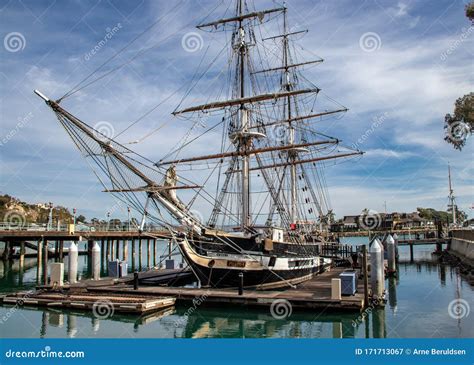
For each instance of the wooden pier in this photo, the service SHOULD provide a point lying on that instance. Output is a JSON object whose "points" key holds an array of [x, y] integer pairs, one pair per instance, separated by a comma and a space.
{"points": [[135, 304], [312, 295]]}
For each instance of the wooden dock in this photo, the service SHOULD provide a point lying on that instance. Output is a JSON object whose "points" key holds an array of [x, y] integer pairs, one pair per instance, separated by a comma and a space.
{"points": [[312, 295], [123, 303]]}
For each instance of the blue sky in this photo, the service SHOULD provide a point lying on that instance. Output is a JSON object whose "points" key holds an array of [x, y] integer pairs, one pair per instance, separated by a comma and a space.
{"points": [[397, 88]]}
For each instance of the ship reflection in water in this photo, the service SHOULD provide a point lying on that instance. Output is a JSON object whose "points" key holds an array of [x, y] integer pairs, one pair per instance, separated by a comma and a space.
{"points": [[417, 306]]}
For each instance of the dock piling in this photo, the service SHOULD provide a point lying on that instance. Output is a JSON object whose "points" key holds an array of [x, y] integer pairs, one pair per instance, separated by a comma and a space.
{"points": [[95, 259], [140, 253], [134, 256], [395, 238], [61, 251], [72, 263], [125, 250], [39, 260], [392, 268], [148, 253], [135, 280], [365, 274], [45, 263], [376, 269], [22, 255]]}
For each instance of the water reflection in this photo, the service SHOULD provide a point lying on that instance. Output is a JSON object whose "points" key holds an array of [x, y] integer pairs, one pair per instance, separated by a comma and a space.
{"points": [[208, 322], [392, 293], [404, 302]]}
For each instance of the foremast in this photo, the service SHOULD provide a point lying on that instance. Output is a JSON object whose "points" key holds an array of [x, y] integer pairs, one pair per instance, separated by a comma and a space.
{"points": [[93, 144]]}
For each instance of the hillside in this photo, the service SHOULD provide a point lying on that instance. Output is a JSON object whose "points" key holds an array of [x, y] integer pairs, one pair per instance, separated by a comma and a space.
{"points": [[17, 212]]}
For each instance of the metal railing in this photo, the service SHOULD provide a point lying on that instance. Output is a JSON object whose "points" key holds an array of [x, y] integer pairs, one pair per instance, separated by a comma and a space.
{"points": [[38, 227]]}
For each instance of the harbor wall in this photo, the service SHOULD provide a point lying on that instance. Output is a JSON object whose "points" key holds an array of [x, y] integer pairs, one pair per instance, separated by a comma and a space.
{"points": [[462, 242]]}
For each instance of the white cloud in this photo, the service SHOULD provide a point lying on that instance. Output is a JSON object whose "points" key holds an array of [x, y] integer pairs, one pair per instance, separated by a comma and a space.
{"points": [[380, 152]]}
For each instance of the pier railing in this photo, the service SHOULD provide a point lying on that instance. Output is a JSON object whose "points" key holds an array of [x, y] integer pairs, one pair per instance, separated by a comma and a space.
{"points": [[338, 250], [39, 227]]}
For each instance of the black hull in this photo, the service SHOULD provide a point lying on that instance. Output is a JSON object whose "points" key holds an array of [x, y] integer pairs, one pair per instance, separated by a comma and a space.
{"points": [[260, 270], [222, 278]]}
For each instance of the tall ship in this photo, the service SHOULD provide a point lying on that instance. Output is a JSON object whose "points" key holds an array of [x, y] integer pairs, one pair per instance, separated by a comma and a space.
{"points": [[263, 185]]}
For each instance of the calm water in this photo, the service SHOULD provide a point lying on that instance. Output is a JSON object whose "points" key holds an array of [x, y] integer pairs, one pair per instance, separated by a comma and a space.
{"points": [[418, 302]]}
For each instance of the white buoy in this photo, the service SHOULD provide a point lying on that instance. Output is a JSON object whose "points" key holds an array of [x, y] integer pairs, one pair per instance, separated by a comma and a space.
{"points": [[95, 259], [72, 263], [376, 269], [391, 255]]}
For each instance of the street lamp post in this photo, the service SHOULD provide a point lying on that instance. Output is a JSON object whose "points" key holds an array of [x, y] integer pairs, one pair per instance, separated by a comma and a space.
{"points": [[108, 220], [128, 210], [50, 217], [74, 211]]}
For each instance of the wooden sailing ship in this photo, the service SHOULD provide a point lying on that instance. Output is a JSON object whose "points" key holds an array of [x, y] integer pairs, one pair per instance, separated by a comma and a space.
{"points": [[264, 189]]}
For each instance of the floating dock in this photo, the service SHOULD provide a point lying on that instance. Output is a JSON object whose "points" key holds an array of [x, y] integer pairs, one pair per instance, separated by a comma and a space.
{"points": [[314, 294], [135, 304]]}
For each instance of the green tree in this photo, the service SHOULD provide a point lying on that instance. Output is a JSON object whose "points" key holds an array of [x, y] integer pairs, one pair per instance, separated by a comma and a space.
{"points": [[81, 219], [460, 125], [470, 11]]}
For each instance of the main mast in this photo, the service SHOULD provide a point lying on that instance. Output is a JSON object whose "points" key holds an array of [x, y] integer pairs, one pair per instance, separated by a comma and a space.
{"points": [[242, 132], [292, 153], [244, 124]]}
